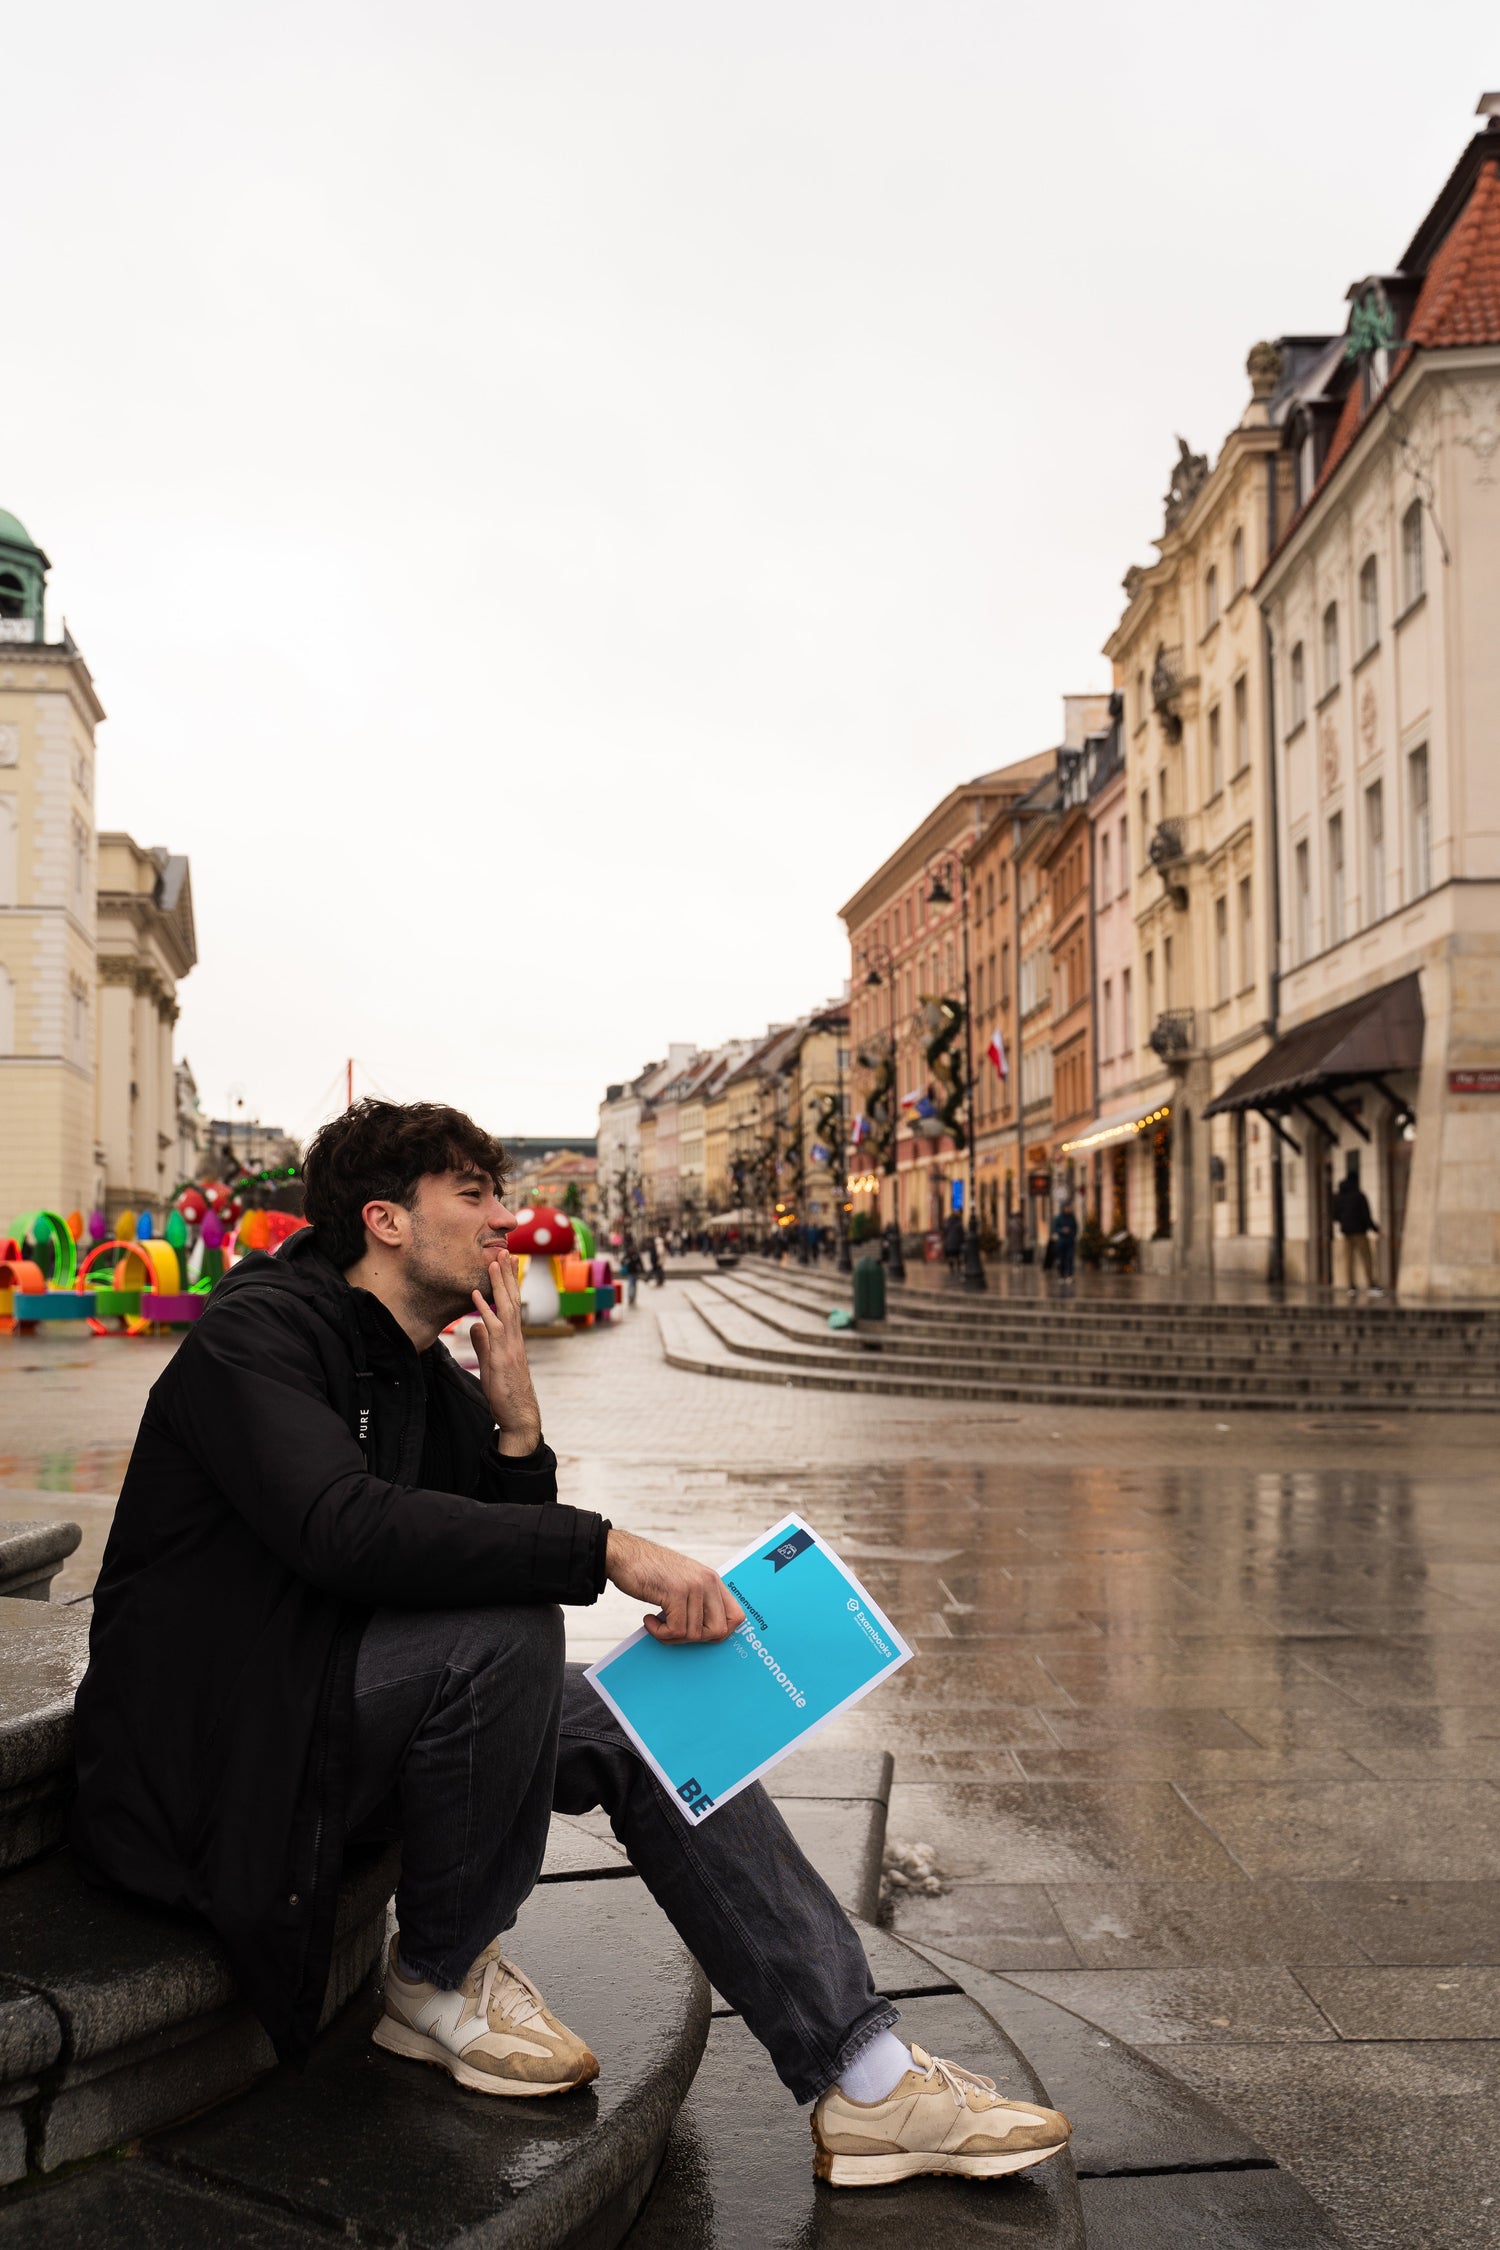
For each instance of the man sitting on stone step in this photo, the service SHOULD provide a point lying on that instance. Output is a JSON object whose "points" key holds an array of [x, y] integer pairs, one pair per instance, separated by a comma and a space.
{"points": [[328, 1608]]}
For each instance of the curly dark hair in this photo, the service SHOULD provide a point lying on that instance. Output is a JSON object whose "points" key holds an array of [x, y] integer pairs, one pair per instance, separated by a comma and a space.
{"points": [[376, 1153]]}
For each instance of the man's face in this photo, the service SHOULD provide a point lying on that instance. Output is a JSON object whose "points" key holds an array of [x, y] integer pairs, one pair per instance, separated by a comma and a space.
{"points": [[458, 1228]]}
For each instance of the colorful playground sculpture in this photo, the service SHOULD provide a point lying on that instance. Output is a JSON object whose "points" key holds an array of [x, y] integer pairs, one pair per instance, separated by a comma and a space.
{"points": [[140, 1277], [563, 1282], [144, 1277]]}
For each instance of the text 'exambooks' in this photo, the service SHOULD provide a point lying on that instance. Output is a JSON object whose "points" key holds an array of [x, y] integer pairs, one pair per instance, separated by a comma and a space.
{"points": [[712, 1717]]}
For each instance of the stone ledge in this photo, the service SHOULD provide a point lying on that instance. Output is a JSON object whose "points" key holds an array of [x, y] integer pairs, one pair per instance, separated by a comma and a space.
{"points": [[31, 1555], [43, 1652], [145, 2019]]}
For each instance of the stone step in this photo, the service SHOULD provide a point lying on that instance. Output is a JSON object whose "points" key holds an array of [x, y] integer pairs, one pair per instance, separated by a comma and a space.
{"points": [[693, 1341], [1158, 2167], [737, 2174], [1479, 1326], [1091, 1346]]}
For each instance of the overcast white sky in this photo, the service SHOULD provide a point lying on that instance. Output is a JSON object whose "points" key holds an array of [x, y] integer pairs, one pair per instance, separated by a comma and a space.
{"points": [[550, 495]]}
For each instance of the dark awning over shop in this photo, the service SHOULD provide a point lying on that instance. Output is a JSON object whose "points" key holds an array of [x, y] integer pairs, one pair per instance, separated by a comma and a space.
{"points": [[1368, 1038]]}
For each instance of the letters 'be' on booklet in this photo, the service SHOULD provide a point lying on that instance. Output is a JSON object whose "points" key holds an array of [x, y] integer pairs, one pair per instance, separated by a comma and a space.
{"points": [[711, 1717]]}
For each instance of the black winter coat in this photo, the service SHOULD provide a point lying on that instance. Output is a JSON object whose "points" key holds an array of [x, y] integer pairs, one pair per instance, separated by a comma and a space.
{"points": [[251, 1543]]}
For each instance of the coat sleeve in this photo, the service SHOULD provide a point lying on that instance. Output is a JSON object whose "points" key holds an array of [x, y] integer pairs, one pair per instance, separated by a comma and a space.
{"points": [[249, 1402]]}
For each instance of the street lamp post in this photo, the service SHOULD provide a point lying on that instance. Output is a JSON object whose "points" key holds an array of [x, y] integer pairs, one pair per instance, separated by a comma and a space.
{"points": [[841, 1165], [941, 895], [883, 971]]}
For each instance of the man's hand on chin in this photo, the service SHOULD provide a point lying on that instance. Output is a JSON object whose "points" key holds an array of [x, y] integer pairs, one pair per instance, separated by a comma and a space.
{"points": [[504, 1374], [693, 1602]]}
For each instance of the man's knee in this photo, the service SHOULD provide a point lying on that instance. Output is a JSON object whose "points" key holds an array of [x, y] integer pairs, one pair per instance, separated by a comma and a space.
{"points": [[526, 1638]]}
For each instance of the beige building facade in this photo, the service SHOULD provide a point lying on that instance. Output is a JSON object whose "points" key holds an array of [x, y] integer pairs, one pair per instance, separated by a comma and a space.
{"points": [[94, 934], [48, 713], [146, 942], [1382, 604], [1189, 661]]}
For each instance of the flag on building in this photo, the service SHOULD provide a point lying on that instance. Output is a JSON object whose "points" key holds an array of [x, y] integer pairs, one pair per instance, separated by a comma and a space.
{"points": [[996, 1051], [861, 1130]]}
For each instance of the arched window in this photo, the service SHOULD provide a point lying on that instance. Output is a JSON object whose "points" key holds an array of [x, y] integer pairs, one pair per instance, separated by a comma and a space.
{"points": [[1330, 647], [1369, 606], [1237, 563], [1211, 598], [1413, 567], [1297, 695], [12, 595]]}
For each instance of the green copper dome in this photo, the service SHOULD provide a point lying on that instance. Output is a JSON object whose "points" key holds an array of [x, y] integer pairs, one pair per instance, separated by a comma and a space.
{"points": [[23, 578], [13, 532]]}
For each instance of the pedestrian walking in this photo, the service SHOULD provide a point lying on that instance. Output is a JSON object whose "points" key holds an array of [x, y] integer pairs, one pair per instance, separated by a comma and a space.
{"points": [[953, 1240], [653, 1255], [1356, 1223], [1063, 1242], [631, 1260]]}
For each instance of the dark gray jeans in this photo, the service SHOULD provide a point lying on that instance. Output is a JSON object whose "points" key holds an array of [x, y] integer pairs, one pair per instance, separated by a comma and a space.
{"points": [[470, 1731]]}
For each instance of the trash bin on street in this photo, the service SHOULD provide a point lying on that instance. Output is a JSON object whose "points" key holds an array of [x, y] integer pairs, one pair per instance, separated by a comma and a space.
{"points": [[869, 1289]]}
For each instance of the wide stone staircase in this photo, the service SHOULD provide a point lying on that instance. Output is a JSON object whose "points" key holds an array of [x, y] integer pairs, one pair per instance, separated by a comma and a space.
{"points": [[140, 2104], [769, 1324]]}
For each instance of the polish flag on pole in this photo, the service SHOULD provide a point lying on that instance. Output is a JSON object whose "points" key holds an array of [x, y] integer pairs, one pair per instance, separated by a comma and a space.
{"points": [[996, 1051]]}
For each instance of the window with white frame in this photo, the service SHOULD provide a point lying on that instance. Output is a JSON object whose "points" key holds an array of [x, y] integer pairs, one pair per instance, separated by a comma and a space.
{"points": [[1106, 888], [1107, 1022], [1127, 1021], [1215, 753], [1330, 647], [1241, 724], [1302, 901], [1247, 935], [1369, 605], [1297, 689], [1211, 599], [1221, 947], [1419, 813], [1237, 563], [1413, 561], [1336, 879], [1145, 818], [1124, 853]]}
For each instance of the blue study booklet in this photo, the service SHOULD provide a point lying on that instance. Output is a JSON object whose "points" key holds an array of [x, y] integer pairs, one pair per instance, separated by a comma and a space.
{"points": [[711, 1717]]}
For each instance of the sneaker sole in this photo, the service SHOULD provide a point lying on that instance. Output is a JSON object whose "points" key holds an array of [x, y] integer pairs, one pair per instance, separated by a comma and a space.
{"points": [[885, 2171], [415, 2046]]}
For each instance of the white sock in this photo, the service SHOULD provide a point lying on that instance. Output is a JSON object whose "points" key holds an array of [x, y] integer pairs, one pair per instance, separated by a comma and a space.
{"points": [[877, 2070]]}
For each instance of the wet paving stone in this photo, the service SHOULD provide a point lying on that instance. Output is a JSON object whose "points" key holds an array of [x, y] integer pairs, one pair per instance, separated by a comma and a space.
{"points": [[1407, 2003], [1423, 1830], [993, 1925], [1150, 1925], [1419, 1922], [1057, 1831], [1150, 2007]]}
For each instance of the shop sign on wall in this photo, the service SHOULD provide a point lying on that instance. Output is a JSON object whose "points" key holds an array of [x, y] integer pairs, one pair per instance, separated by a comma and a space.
{"points": [[1474, 1081]]}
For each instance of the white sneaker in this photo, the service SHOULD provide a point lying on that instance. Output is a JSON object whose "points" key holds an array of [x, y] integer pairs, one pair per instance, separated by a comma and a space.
{"points": [[495, 2034]]}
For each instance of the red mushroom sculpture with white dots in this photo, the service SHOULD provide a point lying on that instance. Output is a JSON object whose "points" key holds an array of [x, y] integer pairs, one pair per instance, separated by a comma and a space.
{"points": [[542, 1238]]}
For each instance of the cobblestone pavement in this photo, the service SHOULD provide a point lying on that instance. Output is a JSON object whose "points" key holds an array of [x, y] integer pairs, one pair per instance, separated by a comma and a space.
{"points": [[1203, 1726]]}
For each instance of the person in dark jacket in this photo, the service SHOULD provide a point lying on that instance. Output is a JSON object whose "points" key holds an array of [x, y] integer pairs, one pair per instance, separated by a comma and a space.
{"points": [[1355, 1221], [1063, 1241], [328, 1608], [953, 1240]]}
